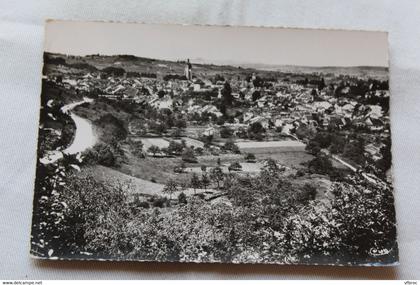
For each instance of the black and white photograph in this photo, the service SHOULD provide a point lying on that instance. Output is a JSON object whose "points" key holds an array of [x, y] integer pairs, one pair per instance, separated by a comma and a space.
{"points": [[214, 144]]}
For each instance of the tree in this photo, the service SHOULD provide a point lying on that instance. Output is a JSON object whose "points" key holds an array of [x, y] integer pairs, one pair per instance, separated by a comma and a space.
{"points": [[321, 84], [250, 157], [199, 151], [321, 164], [203, 168], [354, 150], [188, 155], [231, 145], [337, 143], [313, 147], [227, 94], [181, 123], [218, 77], [258, 82], [235, 166], [137, 148], [323, 138], [195, 182], [217, 175], [169, 121], [205, 181], [165, 150], [161, 93], [153, 149], [256, 95], [319, 141], [170, 188], [308, 193], [159, 128], [177, 133], [270, 167], [103, 154], [226, 132], [314, 93], [207, 140], [114, 71], [256, 131], [175, 147], [220, 121], [305, 131], [182, 198], [386, 161]]}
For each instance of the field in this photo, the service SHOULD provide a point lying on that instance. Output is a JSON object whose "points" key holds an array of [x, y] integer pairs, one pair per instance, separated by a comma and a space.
{"points": [[191, 142], [160, 170], [138, 185], [271, 146], [159, 142]]}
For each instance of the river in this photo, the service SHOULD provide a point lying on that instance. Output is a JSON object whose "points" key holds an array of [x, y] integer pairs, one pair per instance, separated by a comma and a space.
{"points": [[84, 137]]}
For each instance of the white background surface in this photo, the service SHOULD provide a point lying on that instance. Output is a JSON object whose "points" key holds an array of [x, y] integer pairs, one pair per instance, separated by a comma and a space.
{"points": [[21, 47]]}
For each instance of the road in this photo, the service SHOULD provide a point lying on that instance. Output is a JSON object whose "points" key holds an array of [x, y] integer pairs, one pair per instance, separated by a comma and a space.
{"points": [[84, 137], [373, 179]]}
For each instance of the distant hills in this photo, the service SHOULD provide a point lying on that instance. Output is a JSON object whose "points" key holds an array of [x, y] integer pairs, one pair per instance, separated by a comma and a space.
{"points": [[141, 64]]}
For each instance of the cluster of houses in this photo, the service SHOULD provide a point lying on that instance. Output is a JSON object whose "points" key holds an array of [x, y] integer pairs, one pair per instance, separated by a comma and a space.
{"points": [[279, 106]]}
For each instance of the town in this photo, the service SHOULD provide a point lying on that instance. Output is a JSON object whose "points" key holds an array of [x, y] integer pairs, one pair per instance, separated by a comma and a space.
{"points": [[249, 112]]}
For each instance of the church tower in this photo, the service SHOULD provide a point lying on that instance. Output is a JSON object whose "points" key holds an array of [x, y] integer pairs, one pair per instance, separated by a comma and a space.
{"points": [[188, 70]]}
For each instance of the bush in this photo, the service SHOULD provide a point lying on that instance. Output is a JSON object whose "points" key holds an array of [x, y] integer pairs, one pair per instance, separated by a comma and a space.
{"points": [[188, 155], [321, 164], [153, 150], [101, 153], [137, 148], [230, 145], [182, 198], [226, 132], [235, 166], [115, 71], [300, 173], [199, 151], [143, 204], [174, 76], [308, 193], [111, 128], [160, 202], [256, 131], [48, 59], [250, 157]]}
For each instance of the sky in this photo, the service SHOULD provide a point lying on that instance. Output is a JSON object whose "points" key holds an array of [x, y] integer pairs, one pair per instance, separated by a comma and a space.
{"points": [[219, 44]]}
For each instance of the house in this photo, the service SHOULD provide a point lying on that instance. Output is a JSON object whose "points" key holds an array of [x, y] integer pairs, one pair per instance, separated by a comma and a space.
{"points": [[247, 116], [375, 111], [373, 151], [321, 106], [196, 87], [210, 131], [286, 129], [212, 110], [258, 119]]}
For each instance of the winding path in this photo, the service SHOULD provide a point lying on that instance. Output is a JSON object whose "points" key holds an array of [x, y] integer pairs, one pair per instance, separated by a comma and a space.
{"points": [[84, 137], [373, 179]]}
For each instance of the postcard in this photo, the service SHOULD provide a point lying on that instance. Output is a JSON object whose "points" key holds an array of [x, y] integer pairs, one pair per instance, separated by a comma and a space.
{"points": [[214, 144]]}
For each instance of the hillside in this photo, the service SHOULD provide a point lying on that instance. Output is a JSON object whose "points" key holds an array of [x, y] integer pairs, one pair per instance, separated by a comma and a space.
{"points": [[132, 63]]}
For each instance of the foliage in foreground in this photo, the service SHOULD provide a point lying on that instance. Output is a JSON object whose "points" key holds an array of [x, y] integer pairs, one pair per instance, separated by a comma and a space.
{"points": [[263, 219]]}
